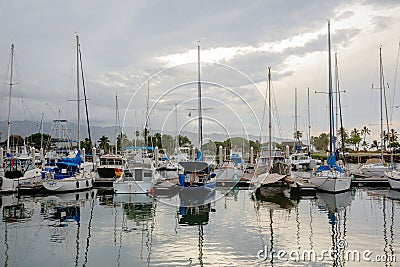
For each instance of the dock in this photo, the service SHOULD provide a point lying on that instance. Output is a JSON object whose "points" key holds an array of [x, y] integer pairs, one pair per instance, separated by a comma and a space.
{"points": [[361, 181], [302, 183]]}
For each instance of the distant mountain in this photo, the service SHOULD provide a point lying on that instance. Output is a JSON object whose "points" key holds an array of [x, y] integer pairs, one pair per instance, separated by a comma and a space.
{"points": [[26, 128]]}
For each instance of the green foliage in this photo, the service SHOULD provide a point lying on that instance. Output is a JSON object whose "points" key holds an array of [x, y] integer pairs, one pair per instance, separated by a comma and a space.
{"points": [[184, 141], [104, 143], [36, 140], [321, 142], [123, 141], [297, 135], [86, 144]]}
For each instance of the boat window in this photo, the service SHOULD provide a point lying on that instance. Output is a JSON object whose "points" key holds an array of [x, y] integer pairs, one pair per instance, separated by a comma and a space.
{"points": [[138, 175]]}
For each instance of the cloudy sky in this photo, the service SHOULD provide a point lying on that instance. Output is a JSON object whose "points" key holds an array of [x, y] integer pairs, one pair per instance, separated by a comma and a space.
{"points": [[130, 48]]}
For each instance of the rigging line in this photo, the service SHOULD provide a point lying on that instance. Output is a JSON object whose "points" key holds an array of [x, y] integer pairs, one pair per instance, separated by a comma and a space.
{"points": [[84, 93], [263, 114], [395, 82], [275, 109], [386, 109]]}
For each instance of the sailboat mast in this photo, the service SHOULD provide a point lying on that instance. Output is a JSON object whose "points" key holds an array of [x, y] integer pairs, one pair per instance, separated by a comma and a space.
{"points": [[309, 121], [116, 124], [199, 100], [77, 87], [295, 119], [176, 129], [9, 99], [146, 130], [270, 115], [331, 119], [337, 93], [381, 96]]}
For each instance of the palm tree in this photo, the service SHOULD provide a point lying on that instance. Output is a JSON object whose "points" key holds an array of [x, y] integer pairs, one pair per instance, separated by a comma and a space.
{"points": [[393, 136], [297, 135], [342, 134], [375, 144], [355, 138], [385, 138], [364, 132], [104, 142]]}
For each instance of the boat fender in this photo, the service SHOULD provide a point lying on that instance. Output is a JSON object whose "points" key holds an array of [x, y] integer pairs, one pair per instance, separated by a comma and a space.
{"points": [[77, 184], [87, 183], [1, 182]]}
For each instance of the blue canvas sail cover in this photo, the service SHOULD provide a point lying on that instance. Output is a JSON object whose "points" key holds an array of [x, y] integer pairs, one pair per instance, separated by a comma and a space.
{"points": [[76, 160], [199, 156], [331, 160], [236, 158]]}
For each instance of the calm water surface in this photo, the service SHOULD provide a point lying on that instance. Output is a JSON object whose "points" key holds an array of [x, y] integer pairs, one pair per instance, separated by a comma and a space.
{"points": [[236, 228]]}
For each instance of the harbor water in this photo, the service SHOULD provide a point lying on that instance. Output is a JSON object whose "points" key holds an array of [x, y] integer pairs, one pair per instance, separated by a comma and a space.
{"points": [[271, 227]]}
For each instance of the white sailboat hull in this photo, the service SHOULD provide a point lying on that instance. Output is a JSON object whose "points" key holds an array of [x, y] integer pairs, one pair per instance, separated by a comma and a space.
{"points": [[8, 185], [79, 182], [373, 170], [31, 177], [394, 179], [331, 181]]}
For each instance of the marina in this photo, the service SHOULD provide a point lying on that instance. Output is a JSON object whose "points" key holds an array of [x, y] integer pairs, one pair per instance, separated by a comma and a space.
{"points": [[203, 133]]}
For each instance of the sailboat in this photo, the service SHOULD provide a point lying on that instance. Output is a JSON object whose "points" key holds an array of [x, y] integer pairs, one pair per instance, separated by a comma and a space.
{"points": [[331, 177], [68, 175], [299, 159], [19, 168], [271, 166], [112, 164], [196, 178], [140, 175], [375, 167]]}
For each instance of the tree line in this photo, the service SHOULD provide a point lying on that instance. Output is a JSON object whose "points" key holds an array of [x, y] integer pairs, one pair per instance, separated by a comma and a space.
{"points": [[355, 140]]}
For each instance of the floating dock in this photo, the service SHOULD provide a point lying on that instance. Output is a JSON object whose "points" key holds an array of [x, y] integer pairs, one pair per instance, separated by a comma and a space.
{"points": [[361, 181]]}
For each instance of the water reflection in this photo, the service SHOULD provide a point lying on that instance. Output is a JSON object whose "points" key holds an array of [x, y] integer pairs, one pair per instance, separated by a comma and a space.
{"points": [[275, 197], [336, 207], [137, 217], [63, 213], [13, 212], [138, 230], [196, 216], [271, 199], [16, 213]]}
